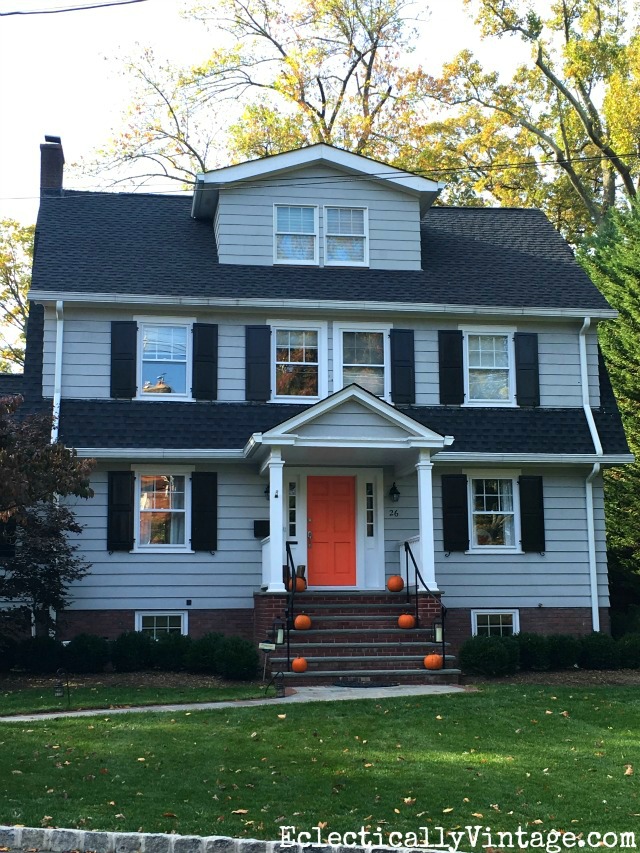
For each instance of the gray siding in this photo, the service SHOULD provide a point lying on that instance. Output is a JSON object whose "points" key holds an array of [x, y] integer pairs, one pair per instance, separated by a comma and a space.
{"points": [[244, 224], [558, 578], [155, 581], [352, 420]]}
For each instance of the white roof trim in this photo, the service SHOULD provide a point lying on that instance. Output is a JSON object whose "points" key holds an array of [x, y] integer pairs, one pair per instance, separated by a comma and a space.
{"points": [[320, 153], [553, 458], [423, 308], [141, 453]]}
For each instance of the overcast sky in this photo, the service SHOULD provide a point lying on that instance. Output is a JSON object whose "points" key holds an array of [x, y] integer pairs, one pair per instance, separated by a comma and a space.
{"points": [[58, 75]]}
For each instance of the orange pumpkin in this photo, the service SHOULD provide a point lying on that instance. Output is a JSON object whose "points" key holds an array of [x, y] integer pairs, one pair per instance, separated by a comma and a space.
{"points": [[395, 584], [302, 622], [406, 620], [433, 662], [301, 585], [299, 664]]}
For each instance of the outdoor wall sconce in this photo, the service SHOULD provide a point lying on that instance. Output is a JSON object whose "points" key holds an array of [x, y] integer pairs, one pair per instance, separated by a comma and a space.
{"points": [[266, 492], [394, 494]]}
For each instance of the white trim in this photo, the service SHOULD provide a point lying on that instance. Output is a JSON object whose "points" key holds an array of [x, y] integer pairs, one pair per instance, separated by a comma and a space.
{"points": [[554, 458], [338, 362], [173, 548], [495, 331], [316, 237], [584, 382], [364, 235], [321, 327], [481, 474], [498, 611], [591, 548], [185, 322], [57, 371], [161, 453], [420, 308], [184, 615]]}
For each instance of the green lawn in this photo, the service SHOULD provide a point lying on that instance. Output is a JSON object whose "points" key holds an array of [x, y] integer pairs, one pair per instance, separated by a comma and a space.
{"points": [[550, 758], [36, 699]]}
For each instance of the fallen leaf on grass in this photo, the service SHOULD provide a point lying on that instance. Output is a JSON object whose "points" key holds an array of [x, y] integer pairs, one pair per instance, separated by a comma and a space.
{"points": [[447, 810], [477, 814], [282, 716], [628, 769], [240, 811], [409, 800], [169, 814]]}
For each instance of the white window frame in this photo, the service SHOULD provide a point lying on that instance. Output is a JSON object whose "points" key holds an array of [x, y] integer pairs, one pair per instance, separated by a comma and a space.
{"points": [[338, 363], [495, 611], [316, 237], [501, 331], [365, 236], [163, 470], [183, 614], [187, 323], [323, 359], [512, 475]]}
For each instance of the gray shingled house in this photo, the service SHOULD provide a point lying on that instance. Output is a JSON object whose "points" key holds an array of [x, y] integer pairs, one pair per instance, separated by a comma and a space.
{"points": [[305, 368]]}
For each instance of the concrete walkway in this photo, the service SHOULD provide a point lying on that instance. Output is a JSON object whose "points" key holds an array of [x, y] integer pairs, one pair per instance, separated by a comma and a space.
{"points": [[301, 694]]}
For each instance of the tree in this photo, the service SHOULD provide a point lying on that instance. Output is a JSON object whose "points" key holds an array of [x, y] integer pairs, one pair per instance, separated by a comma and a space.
{"points": [[613, 262], [575, 105], [16, 257], [297, 72]]}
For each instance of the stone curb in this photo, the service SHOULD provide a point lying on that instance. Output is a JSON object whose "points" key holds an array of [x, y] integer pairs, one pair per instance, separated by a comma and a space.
{"points": [[23, 838]]}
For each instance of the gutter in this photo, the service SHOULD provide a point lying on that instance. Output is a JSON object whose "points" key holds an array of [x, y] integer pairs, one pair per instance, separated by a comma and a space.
{"points": [[57, 371], [595, 471]]}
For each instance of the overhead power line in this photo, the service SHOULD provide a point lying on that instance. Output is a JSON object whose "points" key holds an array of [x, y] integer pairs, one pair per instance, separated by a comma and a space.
{"points": [[60, 9]]}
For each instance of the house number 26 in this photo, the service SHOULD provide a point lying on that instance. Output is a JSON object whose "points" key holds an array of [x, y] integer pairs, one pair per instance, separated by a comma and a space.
{"points": [[393, 513]]}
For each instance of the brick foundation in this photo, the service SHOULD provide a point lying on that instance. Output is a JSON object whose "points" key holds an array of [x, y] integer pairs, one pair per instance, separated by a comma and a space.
{"points": [[112, 623], [534, 620]]}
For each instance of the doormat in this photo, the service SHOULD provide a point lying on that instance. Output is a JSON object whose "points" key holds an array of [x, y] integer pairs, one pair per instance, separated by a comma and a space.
{"points": [[363, 682]]}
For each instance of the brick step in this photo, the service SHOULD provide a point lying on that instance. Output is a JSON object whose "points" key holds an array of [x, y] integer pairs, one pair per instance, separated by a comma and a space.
{"points": [[382, 634], [304, 605], [335, 648], [354, 596], [347, 663], [315, 659], [379, 677]]}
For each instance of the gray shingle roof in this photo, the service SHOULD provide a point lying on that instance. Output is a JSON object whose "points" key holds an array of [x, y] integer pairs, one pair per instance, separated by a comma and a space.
{"points": [[150, 245], [126, 424]]}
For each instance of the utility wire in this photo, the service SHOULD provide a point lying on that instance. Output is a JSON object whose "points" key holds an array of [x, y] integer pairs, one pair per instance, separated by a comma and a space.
{"points": [[70, 8]]}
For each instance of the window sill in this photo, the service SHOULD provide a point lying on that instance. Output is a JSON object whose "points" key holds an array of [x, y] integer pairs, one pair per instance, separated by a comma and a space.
{"points": [[180, 398], [490, 404], [299, 399], [495, 550], [161, 550], [295, 263]]}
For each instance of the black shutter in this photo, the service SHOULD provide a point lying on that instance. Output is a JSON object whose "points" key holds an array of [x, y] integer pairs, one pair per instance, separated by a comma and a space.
{"points": [[450, 368], [205, 361], [527, 373], [532, 514], [7, 539], [204, 511], [258, 363], [455, 512], [403, 369], [120, 511], [123, 358]]}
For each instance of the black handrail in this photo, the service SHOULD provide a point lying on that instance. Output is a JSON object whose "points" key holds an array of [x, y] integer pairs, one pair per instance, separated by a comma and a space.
{"points": [[290, 582], [418, 578]]}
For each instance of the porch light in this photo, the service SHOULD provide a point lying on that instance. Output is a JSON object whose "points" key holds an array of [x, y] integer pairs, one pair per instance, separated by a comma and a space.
{"points": [[394, 494], [266, 492], [437, 631], [277, 632]]}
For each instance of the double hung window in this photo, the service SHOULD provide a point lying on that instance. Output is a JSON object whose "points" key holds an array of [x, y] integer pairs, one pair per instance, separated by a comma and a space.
{"points": [[162, 502], [362, 356], [298, 360], [345, 236], [164, 359], [489, 362], [493, 519], [296, 234]]}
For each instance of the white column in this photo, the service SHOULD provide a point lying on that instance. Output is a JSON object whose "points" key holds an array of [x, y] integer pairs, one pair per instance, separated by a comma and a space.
{"points": [[276, 522], [426, 561]]}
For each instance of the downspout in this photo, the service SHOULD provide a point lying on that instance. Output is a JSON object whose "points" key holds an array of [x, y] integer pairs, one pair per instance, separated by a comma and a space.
{"points": [[57, 372], [595, 471]]}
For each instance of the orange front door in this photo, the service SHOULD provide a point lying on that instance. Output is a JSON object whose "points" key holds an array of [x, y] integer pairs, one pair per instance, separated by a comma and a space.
{"points": [[331, 531]]}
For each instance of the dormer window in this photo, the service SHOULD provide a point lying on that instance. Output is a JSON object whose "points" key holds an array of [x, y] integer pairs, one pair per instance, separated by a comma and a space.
{"points": [[296, 234], [346, 233], [164, 359]]}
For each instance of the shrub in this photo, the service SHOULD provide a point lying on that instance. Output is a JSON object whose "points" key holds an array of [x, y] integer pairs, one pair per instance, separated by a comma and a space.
{"points": [[564, 651], [238, 659], [534, 652], [86, 653], [490, 656], [41, 655], [599, 651], [629, 648], [8, 652], [203, 654], [170, 652], [132, 652]]}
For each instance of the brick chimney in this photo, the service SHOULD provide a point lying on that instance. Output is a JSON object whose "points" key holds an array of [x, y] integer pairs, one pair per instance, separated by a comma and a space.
{"points": [[51, 166]]}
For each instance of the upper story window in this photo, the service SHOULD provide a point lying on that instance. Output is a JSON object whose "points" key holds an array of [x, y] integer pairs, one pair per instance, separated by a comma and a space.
{"points": [[162, 510], [164, 357], [296, 234], [346, 236], [489, 375], [298, 360], [362, 353]]}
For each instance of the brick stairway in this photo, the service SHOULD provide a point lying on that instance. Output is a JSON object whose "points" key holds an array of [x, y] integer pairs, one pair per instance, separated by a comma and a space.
{"points": [[354, 638]]}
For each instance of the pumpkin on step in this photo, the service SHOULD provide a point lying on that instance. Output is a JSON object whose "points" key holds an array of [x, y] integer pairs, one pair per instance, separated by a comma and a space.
{"points": [[301, 584], [302, 622], [406, 620], [299, 664], [433, 662], [395, 584]]}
